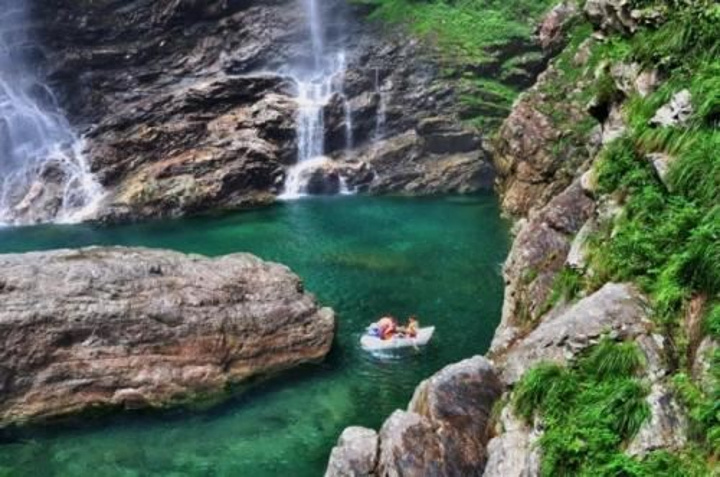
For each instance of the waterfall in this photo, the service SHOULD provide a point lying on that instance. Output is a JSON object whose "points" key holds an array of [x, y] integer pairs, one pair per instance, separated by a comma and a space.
{"points": [[43, 174], [381, 118], [316, 32], [316, 86], [347, 110]]}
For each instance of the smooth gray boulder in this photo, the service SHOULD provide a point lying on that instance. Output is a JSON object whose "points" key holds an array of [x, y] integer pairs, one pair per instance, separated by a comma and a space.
{"points": [[355, 454]]}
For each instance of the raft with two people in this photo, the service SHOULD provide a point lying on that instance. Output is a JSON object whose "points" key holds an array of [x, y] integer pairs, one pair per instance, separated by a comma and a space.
{"points": [[386, 335]]}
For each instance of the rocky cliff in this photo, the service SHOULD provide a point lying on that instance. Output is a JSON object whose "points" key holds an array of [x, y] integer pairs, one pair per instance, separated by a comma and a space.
{"points": [[588, 165], [190, 106], [99, 328]]}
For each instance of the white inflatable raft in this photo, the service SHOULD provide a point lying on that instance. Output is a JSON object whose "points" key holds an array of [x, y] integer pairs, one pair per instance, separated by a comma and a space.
{"points": [[373, 343]]}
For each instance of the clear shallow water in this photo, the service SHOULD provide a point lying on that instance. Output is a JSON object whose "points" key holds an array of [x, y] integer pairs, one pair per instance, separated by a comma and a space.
{"points": [[437, 258]]}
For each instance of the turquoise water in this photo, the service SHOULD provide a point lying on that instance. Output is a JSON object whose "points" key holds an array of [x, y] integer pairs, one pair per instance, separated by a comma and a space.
{"points": [[437, 258]]}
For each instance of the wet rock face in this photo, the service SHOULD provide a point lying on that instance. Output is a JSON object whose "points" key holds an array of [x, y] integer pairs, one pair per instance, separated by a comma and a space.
{"points": [[188, 106], [140, 328]]}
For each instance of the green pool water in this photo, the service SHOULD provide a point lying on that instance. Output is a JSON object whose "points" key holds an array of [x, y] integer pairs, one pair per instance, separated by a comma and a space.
{"points": [[437, 258]]}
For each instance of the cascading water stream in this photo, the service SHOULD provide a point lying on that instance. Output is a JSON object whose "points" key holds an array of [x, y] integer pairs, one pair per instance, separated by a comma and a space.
{"points": [[43, 174], [316, 86], [381, 118]]}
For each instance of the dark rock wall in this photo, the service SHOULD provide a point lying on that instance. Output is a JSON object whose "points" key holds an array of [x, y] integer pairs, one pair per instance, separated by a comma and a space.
{"points": [[186, 106]]}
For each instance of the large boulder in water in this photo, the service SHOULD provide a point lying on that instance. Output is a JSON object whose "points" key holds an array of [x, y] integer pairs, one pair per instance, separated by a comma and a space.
{"points": [[444, 432], [139, 328]]}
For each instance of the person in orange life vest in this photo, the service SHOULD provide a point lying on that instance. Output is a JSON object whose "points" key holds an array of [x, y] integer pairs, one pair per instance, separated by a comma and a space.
{"points": [[387, 327]]}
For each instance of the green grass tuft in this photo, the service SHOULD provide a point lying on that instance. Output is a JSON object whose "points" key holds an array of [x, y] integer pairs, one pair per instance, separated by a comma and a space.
{"points": [[536, 385], [609, 359], [589, 409]]}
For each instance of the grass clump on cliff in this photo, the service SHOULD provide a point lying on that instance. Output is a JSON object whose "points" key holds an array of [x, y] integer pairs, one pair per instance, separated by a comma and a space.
{"points": [[464, 30], [484, 44], [589, 410]]}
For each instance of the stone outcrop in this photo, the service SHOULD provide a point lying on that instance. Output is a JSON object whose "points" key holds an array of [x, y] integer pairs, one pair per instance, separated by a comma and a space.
{"points": [[544, 155], [444, 431], [536, 158], [551, 32], [666, 429], [355, 454], [514, 451], [702, 365], [618, 309], [137, 328], [612, 15], [538, 253], [676, 113]]}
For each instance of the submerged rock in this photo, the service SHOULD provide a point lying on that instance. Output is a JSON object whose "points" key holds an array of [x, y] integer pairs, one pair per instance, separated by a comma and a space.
{"points": [[138, 328]]}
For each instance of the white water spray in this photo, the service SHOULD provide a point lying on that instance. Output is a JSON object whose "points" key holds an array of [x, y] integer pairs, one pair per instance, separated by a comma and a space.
{"points": [[43, 175]]}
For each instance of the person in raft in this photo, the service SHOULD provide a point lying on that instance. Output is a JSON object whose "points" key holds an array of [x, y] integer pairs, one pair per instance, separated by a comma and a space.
{"points": [[387, 327], [411, 330]]}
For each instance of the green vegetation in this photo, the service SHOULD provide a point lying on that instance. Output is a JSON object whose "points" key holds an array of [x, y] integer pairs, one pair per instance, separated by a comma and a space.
{"points": [[589, 410], [668, 236], [568, 284], [483, 44], [465, 30]]}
